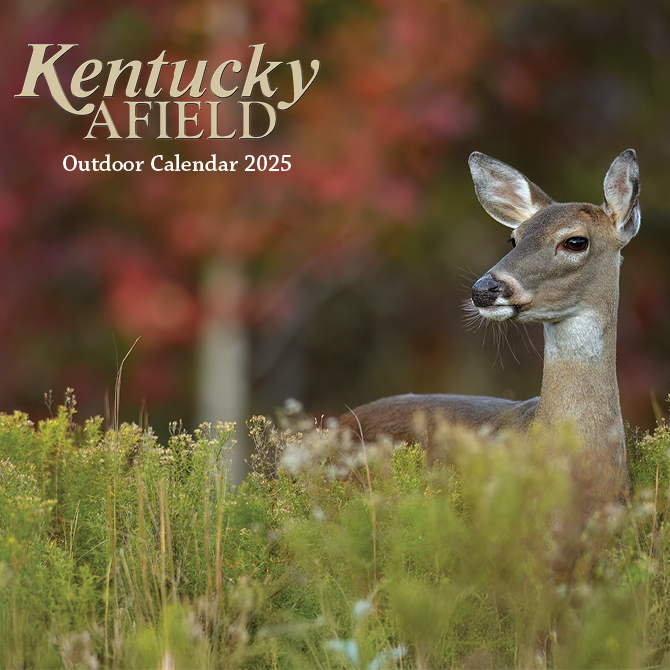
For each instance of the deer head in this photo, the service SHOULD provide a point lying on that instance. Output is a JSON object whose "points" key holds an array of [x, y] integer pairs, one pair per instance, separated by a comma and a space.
{"points": [[565, 256]]}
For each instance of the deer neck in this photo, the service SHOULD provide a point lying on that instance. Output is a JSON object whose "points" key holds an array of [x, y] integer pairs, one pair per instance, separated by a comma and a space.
{"points": [[579, 382]]}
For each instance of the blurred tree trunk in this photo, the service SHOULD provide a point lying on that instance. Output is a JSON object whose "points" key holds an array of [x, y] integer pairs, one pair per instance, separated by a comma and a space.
{"points": [[222, 384]]}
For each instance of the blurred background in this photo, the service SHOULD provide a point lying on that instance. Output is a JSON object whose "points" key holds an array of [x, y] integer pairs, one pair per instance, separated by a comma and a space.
{"points": [[341, 280]]}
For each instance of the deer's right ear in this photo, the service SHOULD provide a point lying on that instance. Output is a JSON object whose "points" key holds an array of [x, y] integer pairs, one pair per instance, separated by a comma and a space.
{"points": [[507, 195], [622, 195]]}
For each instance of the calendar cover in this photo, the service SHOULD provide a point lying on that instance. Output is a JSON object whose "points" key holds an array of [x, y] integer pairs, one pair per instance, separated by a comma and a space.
{"points": [[218, 209]]}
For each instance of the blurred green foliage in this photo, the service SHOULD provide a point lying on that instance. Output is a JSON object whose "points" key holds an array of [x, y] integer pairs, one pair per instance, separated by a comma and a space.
{"points": [[116, 551]]}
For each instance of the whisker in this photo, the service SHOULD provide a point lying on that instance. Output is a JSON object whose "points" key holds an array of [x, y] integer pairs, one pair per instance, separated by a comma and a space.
{"points": [[511, 348], [473, 321], [498, 330], [527, 340], [530, 339], [502, 340], [486, 332], [523, 339], [467, 274]]}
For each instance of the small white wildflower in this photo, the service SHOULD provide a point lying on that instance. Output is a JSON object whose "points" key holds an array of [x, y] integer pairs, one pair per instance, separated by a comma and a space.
{"points": [[347, 647], [384, 658], [336, 472], [295, 458], [292, 406], [362, 607]]}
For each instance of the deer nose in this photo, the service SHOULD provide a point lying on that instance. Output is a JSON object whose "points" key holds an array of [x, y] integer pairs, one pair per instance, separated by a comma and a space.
{"points": [[486, 290]]}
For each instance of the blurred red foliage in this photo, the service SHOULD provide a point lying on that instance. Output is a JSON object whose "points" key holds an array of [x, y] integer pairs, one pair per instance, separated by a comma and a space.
{"points": [[403, 86]]}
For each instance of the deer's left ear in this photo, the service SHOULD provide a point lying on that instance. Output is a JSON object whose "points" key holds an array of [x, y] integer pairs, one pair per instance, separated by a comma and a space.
{"points": [[506, 194], [622, 195]]}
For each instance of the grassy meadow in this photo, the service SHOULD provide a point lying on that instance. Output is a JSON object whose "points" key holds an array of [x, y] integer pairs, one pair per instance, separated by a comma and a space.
{"points": [[117, 551]]}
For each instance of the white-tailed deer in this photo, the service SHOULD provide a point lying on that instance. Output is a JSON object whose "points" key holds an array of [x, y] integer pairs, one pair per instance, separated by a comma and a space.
{"points": [[563, 271]]}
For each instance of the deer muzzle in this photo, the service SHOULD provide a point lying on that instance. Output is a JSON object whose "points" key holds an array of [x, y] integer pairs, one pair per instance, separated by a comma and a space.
{"points": [[488, 292]]}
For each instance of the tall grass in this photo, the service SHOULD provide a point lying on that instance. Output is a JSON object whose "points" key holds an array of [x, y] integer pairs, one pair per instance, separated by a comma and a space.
{"points": [[117, 551]]}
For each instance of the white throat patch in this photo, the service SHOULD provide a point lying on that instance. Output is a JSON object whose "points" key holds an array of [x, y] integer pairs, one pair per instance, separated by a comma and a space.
{"points": [[577, 338]]}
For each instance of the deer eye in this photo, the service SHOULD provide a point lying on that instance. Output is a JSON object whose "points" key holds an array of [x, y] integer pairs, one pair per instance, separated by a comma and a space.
{"points": [[512, 241], [576, 244]]}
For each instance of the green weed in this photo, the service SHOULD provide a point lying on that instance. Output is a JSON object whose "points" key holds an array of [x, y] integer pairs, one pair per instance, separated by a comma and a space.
{"points": [[119, 552]]}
